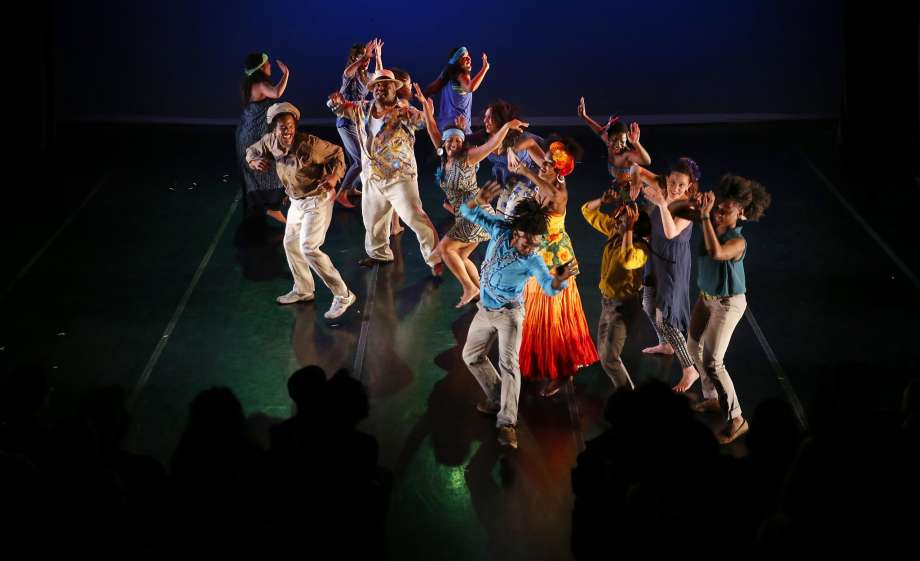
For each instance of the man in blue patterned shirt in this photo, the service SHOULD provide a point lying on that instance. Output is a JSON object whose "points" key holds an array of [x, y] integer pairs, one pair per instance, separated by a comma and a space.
{"points": [[510, 261]]}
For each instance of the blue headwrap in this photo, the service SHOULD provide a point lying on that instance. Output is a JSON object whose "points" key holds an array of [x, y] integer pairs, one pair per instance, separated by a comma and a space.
{"points": [[457, 54], [451, 132]]}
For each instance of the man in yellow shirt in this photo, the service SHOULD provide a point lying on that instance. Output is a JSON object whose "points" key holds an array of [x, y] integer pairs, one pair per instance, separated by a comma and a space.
{"points": [[621, 282]]}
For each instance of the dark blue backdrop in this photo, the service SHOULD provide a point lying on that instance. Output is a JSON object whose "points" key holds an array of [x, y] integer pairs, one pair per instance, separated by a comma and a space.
{"points": [[173, 59]]}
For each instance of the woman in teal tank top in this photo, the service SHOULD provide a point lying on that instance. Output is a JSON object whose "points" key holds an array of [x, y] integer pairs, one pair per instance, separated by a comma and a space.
{"points": [[722, 301]]}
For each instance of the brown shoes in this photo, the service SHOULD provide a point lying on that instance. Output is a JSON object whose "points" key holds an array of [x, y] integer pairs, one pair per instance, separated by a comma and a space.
{"points": [[507, 436], [728, 435]]}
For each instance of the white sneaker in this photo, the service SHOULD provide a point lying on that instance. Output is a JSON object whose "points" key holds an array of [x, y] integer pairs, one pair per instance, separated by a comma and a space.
{"points": [[293, 297], [340, 304]]}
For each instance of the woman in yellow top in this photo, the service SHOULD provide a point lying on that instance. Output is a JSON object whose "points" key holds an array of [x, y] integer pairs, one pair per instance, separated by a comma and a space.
{"points": [[556, 340], [621, 281]]}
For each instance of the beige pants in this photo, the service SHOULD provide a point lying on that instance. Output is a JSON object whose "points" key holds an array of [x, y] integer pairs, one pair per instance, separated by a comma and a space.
{"points": [[307, 222], [506, 325], [378, 201], [711, 326]]}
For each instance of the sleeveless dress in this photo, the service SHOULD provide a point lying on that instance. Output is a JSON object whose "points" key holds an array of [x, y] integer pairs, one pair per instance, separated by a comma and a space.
{"points": [[455, 101], [670, 273], [263, 190], [458, 181], [556, 340]]}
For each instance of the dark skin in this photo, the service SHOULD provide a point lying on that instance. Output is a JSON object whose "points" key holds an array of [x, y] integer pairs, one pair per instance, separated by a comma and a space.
{"points": [[525, 243], [284, 131]]}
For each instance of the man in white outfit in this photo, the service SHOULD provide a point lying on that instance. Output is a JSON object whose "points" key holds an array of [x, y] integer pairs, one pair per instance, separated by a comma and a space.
{"points": [[386, 134], [309, 169]]}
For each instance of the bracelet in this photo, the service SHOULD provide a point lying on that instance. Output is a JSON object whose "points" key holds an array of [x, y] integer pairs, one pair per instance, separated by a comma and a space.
{"points": [[704, 217]]}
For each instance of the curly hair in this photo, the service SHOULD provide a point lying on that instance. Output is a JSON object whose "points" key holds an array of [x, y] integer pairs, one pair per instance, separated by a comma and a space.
{"points": [[748, 194], [530, 217]]}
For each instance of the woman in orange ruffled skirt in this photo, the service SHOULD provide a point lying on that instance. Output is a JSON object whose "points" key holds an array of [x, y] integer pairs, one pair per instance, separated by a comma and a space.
{"points": [[556, 339]]}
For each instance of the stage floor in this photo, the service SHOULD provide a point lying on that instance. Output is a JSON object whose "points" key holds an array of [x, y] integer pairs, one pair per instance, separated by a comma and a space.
{"points": [[141, 272]]}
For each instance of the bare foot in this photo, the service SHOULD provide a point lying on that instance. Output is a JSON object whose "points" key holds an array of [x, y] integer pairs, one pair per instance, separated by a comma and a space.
{"points": [[277, 215], [468, 297], [687, 379], [663, 349]]}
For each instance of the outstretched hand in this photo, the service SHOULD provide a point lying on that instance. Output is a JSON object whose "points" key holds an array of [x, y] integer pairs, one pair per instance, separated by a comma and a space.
{"points": [[633, 134], [488, 192], [485, 60], [282, 66], [609, 196], [653, 194], [582, 112]]}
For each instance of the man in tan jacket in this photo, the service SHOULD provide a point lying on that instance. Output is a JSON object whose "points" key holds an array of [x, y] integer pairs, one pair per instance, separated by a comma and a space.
{"points": [[309, 169]]}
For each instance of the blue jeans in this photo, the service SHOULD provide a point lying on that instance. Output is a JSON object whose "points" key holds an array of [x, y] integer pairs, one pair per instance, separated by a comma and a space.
{"points": [[349, 135]]}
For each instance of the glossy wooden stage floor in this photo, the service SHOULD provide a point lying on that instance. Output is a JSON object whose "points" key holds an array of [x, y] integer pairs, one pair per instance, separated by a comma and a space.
{"points": [[143, 273]]}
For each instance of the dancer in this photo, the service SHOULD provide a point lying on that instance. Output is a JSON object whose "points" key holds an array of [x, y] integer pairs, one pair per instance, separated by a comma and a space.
{"points": [[457, 177], [722, 301], [309, 168], [668, 287], [386, 134], [510, 261], [624, 152], [355, 78], [556, 339], [263, 192], [457, 87], [621, 281], [527, 148]]}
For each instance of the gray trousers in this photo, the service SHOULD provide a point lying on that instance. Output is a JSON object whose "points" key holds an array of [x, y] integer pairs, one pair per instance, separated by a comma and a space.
{"points": [[711, 326], [506, 326], [616, 318]]}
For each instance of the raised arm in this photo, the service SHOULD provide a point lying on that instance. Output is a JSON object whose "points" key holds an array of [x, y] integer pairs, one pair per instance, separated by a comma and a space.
{"points": [[472, 84], [276, 91], [672, 226], [378, 54], [728, 251], [592, 124], [477, 154], [638, 155], [600, 221], [473, 211], [431, 124]]}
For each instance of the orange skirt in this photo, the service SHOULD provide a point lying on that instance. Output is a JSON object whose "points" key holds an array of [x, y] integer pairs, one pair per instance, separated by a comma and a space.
{"points": [[556, 339]]}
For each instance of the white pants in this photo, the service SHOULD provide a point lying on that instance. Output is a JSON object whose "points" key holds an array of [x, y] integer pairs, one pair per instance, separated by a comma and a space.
{"points": [[379, 199], [307, 222], [507, 327]]}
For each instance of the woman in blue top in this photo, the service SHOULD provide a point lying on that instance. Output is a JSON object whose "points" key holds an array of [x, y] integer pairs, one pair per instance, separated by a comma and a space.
{"points": [[527, 149], [457, 86], [263, 191], [669, 282], [721, 303], [354, 88]]}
